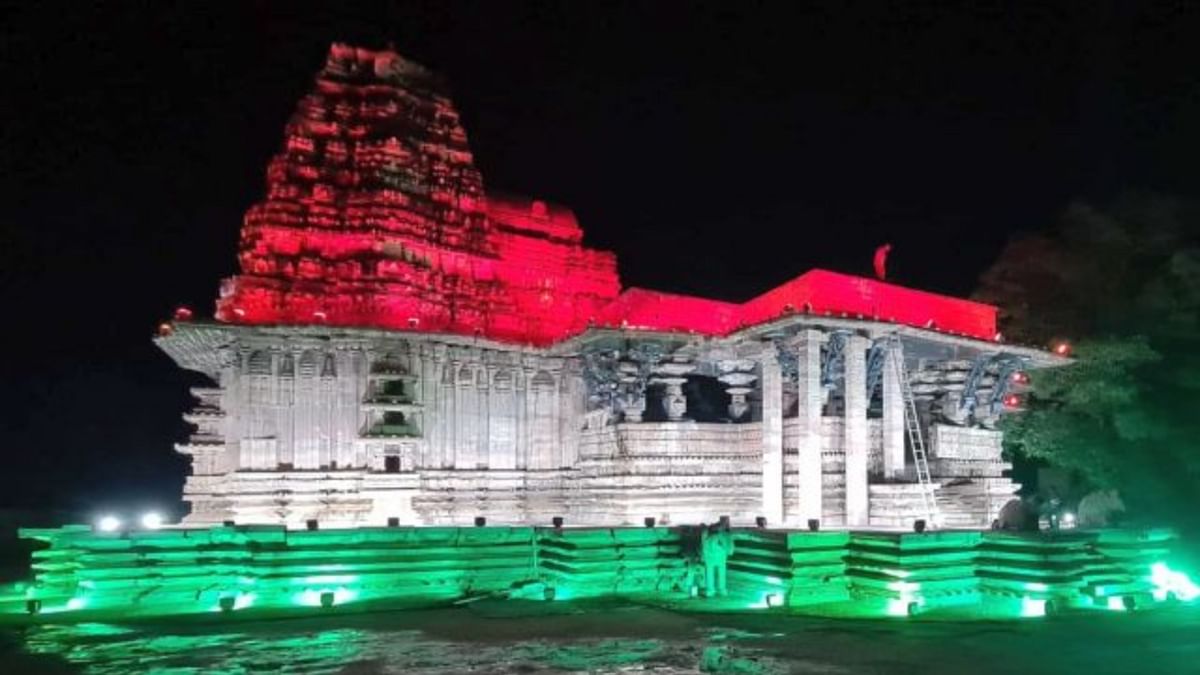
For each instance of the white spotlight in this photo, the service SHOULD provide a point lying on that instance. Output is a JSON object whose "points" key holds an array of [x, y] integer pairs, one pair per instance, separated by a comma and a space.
{"points": [[1068, 520], [109, 523], [152, 520]]}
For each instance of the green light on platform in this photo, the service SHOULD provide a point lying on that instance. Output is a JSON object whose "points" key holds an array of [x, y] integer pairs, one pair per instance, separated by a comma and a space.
{"points": [[232, 603], [1116, 603], [1033, 607], [310, 597], [767, 601], [904, 606], [1168, 582]]}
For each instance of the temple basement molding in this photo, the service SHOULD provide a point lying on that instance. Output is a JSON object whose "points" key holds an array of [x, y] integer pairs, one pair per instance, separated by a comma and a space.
{"points": [[401, 343]]}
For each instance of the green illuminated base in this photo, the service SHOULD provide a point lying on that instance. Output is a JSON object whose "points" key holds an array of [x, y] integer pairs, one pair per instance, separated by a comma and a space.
{"points": [[247, 571]]}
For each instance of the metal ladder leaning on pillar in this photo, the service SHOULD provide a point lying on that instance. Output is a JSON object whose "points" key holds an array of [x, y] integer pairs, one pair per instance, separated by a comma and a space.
{"points": [[912, 424]]}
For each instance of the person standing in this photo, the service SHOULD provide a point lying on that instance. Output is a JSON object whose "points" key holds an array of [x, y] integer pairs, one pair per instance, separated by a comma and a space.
{"points": [[716, 545]]}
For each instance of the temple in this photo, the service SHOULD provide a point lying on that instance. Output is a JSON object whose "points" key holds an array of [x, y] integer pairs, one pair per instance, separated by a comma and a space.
{"points": [[403, 345]]}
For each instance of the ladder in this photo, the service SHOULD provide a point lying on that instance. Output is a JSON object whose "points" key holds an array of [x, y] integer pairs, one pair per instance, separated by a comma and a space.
{"points": [[912, 424]]}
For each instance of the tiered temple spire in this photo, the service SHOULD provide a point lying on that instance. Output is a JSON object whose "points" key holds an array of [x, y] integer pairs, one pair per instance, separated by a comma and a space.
{"points": [[375, 215]]}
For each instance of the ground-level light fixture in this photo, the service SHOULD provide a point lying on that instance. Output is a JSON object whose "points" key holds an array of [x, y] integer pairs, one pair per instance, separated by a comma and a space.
{"points": [[152, 520], [108, 523]]}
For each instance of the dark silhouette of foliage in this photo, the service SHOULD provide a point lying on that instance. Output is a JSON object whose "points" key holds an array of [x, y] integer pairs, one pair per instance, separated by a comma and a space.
{"points": [[1123, 284]]}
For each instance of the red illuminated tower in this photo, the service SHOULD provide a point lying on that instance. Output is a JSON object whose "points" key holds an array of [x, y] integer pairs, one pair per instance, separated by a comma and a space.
{"points": [[375, 216]]}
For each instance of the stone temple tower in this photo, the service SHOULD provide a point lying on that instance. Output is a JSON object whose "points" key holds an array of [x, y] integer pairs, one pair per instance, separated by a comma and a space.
{"points": [[375, 215]]}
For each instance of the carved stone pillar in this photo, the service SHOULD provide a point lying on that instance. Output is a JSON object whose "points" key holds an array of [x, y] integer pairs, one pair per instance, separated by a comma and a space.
{"points": [[454, 413], [671, 374], [893, 416], [632, 393], [738, 406], [809, 407], [772, 435], [737, 376], [674, 402], [855, 430], [525, 415]]}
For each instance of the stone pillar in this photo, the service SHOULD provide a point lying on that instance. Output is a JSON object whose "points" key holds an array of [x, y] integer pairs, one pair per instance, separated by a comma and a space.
{"points": [[738, 405], [674, 402], [737, 376], [453, 421], [855, 430], [631, 395], [524, 414], [810, 401], [483, 448], [772, 437], [672, 375], [893, 416]]}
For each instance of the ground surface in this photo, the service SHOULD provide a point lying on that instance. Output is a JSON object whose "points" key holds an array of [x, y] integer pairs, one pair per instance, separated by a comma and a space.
{"points": [[618, 640]]}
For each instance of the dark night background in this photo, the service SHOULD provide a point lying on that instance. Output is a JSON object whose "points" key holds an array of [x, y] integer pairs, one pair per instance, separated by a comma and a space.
{"points": [[719, 149]]}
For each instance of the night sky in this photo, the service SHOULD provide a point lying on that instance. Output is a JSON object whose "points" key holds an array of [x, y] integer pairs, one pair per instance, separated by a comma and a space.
{"points": [[719, 149]]}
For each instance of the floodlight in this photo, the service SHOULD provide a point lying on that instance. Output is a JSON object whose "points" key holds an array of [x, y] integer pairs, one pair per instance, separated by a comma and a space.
{"points": [[108, 523], [152, 520]]}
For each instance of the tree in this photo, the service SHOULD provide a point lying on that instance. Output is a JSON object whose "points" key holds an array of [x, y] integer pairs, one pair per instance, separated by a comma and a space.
{"points": [[1123, 283]]}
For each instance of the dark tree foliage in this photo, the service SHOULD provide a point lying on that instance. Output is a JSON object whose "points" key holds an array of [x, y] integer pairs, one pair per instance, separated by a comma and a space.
{"points": [[1122, 283]]}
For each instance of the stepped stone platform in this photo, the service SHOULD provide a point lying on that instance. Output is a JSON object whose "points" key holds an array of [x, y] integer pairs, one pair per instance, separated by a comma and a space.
{"points": [[230, 572]]}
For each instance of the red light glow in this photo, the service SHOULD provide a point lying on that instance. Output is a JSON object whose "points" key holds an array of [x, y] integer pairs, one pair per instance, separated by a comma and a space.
{"points": [[183, 314], [1062, 348], [1012, 401], [361, 227]]}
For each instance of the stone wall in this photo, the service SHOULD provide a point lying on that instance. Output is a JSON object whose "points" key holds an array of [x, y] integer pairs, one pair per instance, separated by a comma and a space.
{"points": [[358, 428], [964, 451], [675, 472], [968, 464], [286, 404]]}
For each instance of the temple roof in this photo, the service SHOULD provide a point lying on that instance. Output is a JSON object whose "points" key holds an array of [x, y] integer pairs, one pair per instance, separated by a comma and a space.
{"points": [[816, 292], [375, 216]]}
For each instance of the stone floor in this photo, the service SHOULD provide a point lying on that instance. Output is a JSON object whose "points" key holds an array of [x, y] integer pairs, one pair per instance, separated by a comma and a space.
{"points": [[614, 639]]}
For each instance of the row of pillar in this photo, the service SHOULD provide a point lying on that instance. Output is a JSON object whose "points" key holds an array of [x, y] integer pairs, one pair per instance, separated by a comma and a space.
{"points": [[811, 400]]}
